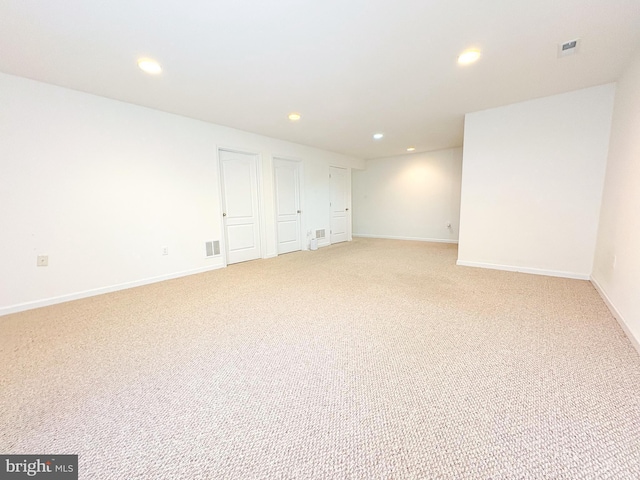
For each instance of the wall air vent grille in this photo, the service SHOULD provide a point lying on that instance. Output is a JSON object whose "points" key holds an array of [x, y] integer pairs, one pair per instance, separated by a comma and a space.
{"points": [[212, 248], [320, 233]]}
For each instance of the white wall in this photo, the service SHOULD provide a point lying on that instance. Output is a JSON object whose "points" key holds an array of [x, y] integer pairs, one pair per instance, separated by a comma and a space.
{"points": [[101, 186], [616, 270], [409, 196], [532, 179]]}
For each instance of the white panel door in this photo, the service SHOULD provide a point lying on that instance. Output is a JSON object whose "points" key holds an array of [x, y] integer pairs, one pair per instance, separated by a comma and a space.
{"points": [[287, 186], [339, 205], [239, 182]]}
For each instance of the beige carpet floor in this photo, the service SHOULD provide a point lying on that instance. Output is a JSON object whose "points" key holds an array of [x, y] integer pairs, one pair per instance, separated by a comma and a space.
{"points": [[374, 359]]}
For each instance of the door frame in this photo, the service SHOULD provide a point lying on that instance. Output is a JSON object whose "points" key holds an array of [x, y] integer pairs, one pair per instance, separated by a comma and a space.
{"points": [[261, 223], [347, 201], [303, 225]]}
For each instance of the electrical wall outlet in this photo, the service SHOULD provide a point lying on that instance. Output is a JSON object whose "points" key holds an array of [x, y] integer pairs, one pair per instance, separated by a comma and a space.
{"points": [[43, 261], [165, 250]]}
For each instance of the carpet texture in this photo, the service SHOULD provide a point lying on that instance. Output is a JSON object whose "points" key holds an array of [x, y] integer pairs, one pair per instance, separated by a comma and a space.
{"points": [[374, 359]]}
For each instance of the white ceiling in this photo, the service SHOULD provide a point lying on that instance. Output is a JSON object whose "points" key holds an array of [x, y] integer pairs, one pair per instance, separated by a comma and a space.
{"points": [[350, 67]]}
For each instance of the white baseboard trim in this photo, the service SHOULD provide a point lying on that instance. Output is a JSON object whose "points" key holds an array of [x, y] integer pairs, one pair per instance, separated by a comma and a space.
{"points": [[21, 307], [534, 271], [417, 239], [616, 314]]}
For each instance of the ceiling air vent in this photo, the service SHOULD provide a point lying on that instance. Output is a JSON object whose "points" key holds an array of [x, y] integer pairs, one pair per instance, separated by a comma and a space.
{"points": [[568, 48]]}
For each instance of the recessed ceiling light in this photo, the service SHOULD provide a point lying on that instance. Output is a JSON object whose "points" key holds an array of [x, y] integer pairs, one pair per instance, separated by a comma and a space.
{"points": [[294, 117], [411, 149], [377, 136], [149, 66], [468, 57]]}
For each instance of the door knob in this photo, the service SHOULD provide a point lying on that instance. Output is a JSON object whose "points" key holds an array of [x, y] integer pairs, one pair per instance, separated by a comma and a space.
{"points": [[298, 211], [347, 209], [224, 214]]}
